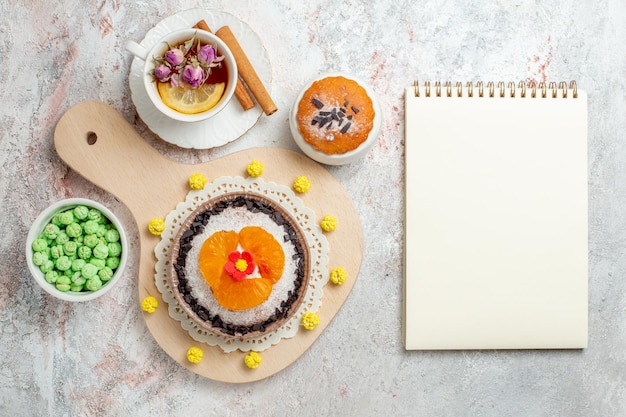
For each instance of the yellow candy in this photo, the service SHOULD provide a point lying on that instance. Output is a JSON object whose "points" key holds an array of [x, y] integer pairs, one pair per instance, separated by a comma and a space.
{"points": [[149, 304], [310, 320], [156, 226], [328, 223], [195, 354], [253, 360], [197, 181], [302, 184], [338, 276], [255, 169]]}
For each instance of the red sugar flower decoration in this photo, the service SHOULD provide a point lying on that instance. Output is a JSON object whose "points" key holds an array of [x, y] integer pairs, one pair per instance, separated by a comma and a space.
{"points": [[239, 265]]}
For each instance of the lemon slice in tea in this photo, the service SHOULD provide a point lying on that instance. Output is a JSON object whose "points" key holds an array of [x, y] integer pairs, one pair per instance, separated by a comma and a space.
{"points": [[191, 100]]}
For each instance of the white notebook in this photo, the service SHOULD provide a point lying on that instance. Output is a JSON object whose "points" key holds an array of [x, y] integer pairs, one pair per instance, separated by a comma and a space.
{"points": [[496, 216]]}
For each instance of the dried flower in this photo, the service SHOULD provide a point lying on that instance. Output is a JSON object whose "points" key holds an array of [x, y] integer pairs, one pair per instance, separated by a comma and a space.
{"points": [[206, 54], [175, 57], [162, 72], [194, 76], [189, 62]]}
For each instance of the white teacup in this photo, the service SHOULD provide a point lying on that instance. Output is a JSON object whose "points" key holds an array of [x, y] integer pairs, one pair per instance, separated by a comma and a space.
{"points": [[162, 46]]}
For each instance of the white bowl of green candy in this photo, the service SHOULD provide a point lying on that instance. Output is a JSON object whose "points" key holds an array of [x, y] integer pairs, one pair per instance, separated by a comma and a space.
{"points": [[76, 249]]}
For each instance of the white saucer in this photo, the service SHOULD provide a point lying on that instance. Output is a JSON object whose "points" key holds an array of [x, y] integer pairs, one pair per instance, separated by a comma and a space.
{"points": [[232, 122]]}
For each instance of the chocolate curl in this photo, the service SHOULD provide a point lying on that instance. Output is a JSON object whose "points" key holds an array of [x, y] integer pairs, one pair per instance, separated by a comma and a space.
{"points": [[247, 72], [240, 90]]}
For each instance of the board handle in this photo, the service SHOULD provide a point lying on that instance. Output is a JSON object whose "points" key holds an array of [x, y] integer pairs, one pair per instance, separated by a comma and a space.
{"points": [[98, 143]]}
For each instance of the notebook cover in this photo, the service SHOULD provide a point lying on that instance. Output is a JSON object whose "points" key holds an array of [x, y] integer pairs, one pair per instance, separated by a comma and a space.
{"points": [[496, 222]]}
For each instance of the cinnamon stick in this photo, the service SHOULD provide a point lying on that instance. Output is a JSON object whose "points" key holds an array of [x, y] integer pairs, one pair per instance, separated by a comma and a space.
{"points": [[247, 72], [240, 90], [202, 25]]}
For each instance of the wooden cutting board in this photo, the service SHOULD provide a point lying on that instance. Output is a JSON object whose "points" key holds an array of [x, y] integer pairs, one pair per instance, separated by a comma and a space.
{"points": [[98, 143]]}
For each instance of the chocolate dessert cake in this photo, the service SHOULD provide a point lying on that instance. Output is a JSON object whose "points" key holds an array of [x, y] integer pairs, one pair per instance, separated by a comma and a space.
{"points": [[240, 265]]}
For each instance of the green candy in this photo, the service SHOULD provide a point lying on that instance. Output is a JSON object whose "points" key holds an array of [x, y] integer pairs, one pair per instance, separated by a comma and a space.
{"points": [[81, 212], [55, 220], [93, 284], [78, 279], [115, 249], [51, 231], [84, 252], [63, 263], [79, 249], [98, 263], [39, 258], [56, 251], [105, 274], [77, 264], [89, 270], [67, 217], [74, 230], [112, 235], [96, 216], [40, 245], [113, 262], [62, 237], [91, 240], [47, 266], [90, 227], [70, 248], [63, 284], [102, 229], [51, 276], [101, 251]]}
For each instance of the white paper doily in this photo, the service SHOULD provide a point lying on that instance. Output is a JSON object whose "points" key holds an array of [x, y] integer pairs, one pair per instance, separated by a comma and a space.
{"points": [[315, 241]]}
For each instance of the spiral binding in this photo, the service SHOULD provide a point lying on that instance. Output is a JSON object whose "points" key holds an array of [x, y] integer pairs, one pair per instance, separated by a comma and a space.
{"points": [[491, 89]]}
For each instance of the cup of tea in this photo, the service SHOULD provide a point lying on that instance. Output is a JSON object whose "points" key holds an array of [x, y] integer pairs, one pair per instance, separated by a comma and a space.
{"points": [[190, 75]]}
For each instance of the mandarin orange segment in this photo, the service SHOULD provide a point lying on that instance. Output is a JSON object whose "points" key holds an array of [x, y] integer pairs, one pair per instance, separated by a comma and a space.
{"points": [[214, 255], [241, 295], [268, 253]]}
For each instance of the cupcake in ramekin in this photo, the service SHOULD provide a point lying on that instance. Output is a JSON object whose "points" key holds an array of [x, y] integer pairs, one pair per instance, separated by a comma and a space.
{"points": [[336, 119]]}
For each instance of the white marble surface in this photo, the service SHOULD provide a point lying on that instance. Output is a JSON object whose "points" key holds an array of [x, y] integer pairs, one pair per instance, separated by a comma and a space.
{"points": [[99, 358]]}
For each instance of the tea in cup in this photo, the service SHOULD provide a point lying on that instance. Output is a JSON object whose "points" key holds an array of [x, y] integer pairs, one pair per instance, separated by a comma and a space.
{"points": [[190, 75]]}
